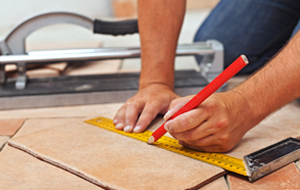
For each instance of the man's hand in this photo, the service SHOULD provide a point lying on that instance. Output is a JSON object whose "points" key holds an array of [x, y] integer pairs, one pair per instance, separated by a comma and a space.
{"points": [[217, 125], [138, 112], [159, 27]]}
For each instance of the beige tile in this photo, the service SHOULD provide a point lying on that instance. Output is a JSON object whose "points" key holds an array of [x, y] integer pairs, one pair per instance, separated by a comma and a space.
{"points": [[42, 72], [285, 118], [284, 178], [20, 170], [3, 140], [38, 70], [90, 111], [36, 125], [259, 137], [93, 67], [280, 125], [9, 127], [115, 161], [58, 66], [219, 184]]}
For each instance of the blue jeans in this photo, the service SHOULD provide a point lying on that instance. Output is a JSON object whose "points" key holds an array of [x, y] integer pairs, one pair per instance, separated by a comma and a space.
{"points": [[256, 28]]}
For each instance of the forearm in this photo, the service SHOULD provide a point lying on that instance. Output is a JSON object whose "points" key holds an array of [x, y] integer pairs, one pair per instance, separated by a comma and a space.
{"points": [[274, 85], [159, 26]]}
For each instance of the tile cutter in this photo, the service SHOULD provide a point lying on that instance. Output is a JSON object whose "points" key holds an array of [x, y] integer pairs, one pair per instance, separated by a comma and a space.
{"points": [[13, 51]]}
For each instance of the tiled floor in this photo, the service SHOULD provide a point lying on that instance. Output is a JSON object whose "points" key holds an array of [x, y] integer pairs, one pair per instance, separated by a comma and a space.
{"points": [[58, 136]]}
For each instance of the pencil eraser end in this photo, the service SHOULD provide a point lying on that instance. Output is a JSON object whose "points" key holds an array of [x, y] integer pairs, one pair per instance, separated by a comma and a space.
{"points": [[245, 58]]}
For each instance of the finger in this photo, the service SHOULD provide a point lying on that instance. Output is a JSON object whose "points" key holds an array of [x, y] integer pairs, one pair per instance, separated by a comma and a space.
{"points": [[119, 119], [209, 148], [206, 141], [172, 111], [148, 114], [201, 131], [210, 143], [186, 121], [175, 105], [133, 110]]}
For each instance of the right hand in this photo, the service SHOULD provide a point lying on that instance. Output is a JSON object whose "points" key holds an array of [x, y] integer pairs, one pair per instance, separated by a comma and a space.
{"points": [[139, 111]]}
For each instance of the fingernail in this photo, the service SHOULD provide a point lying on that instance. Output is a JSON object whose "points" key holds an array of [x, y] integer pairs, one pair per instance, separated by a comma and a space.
{"points": [[166, 116], [167, 128], [127, 129], [115, 121], [119, 126], [137, 129]]}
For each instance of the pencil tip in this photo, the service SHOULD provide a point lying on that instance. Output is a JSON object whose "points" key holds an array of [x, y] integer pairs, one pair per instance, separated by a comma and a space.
{"points": [[151, 140]]}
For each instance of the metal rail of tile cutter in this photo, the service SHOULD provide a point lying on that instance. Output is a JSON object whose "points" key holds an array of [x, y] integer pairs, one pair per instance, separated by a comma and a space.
{"points": [[12, 51]]}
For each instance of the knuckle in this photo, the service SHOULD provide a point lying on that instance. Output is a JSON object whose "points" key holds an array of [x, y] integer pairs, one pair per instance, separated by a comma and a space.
{"points": [[224, 139], [222, 123]]}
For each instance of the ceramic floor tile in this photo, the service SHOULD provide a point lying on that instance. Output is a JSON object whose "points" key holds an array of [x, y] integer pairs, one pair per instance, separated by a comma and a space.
{"points": [[285, 118], [9, 127], [259, 137], [265, 133], [36, 125], [112, 160], [93, 67], [285, 178], [58, 66], [42, 72], [219, 184], [106, 110], [20, 170], [3, 140]]}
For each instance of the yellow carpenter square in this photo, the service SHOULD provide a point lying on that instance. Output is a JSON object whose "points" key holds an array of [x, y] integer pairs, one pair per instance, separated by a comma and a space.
{"points": [[221, 160]]}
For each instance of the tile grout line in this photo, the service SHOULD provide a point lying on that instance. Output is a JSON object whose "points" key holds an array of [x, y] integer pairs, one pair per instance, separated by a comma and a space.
{"points": [[4, 144], [227, 181], [66, 168], [26, 119]]}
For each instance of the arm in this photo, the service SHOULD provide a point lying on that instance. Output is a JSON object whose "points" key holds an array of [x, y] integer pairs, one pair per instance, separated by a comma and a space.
{"points": [[159, 26], [221, 121]]}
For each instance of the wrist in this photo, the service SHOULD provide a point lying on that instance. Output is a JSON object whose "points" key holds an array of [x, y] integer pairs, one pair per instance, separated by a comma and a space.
{"points": [[156, 84], [244, 112]]}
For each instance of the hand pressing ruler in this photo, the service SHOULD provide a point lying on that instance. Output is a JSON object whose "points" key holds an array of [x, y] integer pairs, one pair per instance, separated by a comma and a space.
{"points": [[255, 165], [221, 160]]}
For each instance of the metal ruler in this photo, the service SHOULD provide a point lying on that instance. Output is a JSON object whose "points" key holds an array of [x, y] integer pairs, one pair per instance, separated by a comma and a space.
{"points": [[221, 160]]}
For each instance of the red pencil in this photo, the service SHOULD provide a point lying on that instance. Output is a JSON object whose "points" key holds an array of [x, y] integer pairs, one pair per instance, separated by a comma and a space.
{"points": [[212, 87]]}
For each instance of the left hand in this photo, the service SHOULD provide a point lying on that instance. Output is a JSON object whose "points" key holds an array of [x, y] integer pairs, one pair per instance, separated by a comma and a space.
{"points": [[216, 125]]}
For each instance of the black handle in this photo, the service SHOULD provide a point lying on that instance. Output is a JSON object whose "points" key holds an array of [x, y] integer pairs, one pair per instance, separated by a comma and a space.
{"points": [[116, 28]]}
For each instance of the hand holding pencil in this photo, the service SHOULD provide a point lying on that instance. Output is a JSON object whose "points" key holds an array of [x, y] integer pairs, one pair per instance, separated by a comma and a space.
{"points": [[228, 73]]}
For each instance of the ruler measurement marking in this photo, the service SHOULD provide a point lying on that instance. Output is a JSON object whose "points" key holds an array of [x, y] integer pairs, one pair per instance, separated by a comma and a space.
{"points": [[221, 160]]}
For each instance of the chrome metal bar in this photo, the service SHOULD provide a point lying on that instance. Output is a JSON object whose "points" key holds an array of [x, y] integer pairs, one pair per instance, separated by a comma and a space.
{"points": [[93, 54]]}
